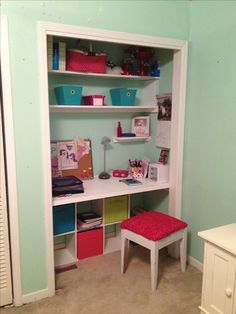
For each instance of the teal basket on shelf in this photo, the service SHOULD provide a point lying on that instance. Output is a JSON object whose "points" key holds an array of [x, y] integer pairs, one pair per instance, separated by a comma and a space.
{"points": [[123, 96], [68, 95]]}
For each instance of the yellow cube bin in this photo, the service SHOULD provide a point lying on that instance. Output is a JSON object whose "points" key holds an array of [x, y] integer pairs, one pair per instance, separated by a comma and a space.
{"points": [[116, 209]]}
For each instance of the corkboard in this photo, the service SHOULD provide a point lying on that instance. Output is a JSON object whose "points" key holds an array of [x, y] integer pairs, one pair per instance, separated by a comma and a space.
{"points": [[79, 165]]}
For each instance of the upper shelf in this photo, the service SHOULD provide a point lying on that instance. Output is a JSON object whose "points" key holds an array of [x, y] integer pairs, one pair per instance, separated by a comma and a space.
{"points": [[71, 109], [105, 75]]}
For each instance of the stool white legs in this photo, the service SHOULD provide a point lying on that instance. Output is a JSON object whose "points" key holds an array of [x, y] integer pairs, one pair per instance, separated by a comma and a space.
{"points": [[154, 254], [154, 247], [183, 250], [123, 246]]}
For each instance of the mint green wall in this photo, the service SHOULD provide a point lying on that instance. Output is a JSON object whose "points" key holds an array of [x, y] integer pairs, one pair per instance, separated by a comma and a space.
{"points": [[160, 18], [209, 190]]}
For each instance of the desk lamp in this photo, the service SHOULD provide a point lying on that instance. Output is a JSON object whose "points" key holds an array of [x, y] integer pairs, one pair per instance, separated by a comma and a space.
{"points": [[104, 175]]}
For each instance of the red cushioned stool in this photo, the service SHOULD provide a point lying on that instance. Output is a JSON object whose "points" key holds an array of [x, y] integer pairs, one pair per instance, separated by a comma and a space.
{"points": [[154, 231]]}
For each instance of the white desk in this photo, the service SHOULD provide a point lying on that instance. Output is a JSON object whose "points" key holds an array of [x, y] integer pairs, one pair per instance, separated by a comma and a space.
{"points": [[97, 189]]}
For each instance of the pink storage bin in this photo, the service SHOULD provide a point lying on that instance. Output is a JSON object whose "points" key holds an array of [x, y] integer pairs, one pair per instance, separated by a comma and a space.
{"points": [[77, 60], [93, 100], [90, 243]]}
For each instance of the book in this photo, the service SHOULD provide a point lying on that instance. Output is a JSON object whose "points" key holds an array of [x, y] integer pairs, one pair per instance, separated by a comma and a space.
{"points": [[62, 56], [89, 217], [55, 58], [50, 51], [130, 181], [84, 225]]}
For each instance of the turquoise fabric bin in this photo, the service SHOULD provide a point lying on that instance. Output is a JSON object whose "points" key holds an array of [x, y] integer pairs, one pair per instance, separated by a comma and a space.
{"points": [[69, 95], [63, 218], [123, 96]]}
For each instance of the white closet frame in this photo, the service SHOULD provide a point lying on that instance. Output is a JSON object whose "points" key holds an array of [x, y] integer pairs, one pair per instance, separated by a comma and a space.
{"points": [[180, 48], [10, 163]]}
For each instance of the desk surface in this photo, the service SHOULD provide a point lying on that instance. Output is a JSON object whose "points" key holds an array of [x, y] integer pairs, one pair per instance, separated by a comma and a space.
{"points": [[97, 189]]}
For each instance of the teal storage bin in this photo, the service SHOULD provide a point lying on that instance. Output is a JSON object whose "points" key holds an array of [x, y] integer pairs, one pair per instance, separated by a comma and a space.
{"points": [[63, 218], [123, 96], [69, 95]]}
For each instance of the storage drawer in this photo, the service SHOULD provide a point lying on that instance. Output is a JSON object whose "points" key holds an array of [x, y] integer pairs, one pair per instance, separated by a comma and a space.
{"points": [[63, 218], [116, 209], [89, 243]]}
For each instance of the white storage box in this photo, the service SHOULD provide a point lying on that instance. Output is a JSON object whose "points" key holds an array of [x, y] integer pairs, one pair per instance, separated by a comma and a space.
{"points": [[158, 172]]}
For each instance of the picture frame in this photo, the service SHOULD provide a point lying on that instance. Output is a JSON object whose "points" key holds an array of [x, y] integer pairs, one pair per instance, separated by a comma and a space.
{"points": [[140, 126], [164, 102]]}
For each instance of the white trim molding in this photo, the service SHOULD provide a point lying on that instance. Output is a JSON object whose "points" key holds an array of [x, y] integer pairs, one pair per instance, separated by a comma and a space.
{"points": [[10, 163], [35, 296], [195, 263]]}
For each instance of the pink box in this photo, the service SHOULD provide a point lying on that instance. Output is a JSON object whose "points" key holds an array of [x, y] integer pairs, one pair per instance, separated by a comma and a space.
{"points": [[93, 100], [89, 243], [77, 60]]}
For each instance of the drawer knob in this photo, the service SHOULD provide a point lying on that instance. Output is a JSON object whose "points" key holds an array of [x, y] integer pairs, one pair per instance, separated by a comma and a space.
{"points": [[228, 292]]}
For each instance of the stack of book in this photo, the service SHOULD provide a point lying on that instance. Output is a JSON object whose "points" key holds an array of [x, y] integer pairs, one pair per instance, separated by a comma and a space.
{"points": [[89, 220], [56, 52]]}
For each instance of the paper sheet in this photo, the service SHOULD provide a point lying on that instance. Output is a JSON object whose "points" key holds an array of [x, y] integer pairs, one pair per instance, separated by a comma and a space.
{"points": [[163, 134]]}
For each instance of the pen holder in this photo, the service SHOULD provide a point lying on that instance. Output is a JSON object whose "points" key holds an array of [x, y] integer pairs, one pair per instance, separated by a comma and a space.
{"points": [[136, 172]]}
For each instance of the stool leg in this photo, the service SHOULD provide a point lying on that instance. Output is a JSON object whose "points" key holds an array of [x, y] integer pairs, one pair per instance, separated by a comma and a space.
{"points": [[123, 242], [183, 250], [154, 264]]}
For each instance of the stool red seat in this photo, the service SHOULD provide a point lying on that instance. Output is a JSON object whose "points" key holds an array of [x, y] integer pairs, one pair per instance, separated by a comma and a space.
{"points": [[154, 231]]}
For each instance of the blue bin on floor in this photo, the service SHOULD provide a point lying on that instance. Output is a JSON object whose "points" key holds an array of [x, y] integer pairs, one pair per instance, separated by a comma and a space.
{"points": [[69, 95], [123, 96], [63, 218]]}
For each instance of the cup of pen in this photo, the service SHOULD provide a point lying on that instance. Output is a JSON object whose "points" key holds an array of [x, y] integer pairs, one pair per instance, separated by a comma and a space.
{"points": [[136, 169]]}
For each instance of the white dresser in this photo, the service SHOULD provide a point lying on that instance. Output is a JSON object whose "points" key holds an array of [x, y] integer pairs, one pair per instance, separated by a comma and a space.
{"points": [[219, 271]]}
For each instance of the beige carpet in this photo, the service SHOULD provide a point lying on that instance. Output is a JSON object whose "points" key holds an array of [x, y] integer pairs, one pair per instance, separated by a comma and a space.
{"points": [[97, 287]]}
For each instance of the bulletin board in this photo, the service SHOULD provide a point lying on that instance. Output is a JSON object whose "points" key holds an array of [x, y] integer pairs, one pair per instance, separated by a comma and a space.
{"points": [[73, 157]]}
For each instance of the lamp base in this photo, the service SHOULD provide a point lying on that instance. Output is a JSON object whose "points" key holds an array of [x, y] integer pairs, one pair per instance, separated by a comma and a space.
{"points": [[104, 175]]}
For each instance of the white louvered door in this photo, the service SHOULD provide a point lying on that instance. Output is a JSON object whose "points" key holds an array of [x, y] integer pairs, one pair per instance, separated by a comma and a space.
{"points": [[5, 263]]}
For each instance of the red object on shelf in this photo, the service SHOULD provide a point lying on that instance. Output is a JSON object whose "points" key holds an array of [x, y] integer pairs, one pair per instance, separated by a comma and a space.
{"points": [[93, 100], [119, 130], [77, 60], [120, 173], [89, 243]]}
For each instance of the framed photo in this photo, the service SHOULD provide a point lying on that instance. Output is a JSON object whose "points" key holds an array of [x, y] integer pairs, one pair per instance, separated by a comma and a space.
{"points": [[164, 156], [140, 126], [164, 102]]}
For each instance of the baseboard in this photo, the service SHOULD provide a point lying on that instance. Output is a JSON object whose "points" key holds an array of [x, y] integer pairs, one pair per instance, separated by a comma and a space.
{"points": [[194, 262], [35, 296]]}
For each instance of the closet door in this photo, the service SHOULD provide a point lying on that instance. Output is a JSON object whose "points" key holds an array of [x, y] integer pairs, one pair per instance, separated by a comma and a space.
{"points": [[5, 263]]}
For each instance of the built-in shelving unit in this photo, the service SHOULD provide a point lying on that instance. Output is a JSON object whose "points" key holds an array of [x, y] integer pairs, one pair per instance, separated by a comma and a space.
{"points": [[98, 191]]}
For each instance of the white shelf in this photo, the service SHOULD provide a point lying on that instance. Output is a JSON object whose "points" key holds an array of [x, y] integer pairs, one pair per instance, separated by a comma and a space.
{"points": [[63, 234], [97, 189], [63, 257], [105, 75], [131, 139], [113, 223], [103, 109]]}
